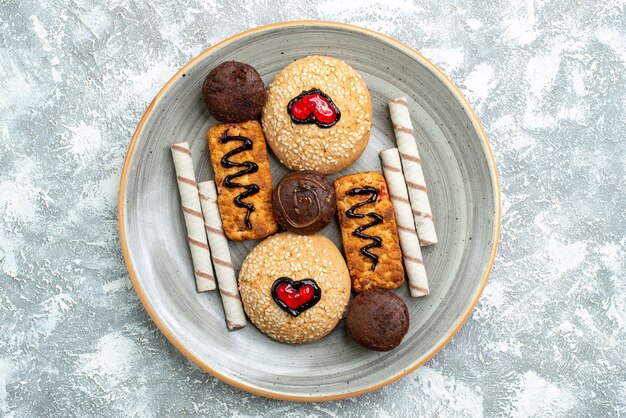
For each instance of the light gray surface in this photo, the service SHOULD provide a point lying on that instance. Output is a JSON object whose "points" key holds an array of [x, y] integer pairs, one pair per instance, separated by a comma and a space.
{"points": [[547, 80], [462, 189]]}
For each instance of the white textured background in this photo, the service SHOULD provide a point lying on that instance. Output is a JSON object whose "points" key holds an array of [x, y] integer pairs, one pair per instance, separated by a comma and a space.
{"points": [[548, 81]]}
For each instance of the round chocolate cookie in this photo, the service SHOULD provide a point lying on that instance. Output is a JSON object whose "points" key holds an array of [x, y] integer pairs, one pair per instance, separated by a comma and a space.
{"points": [[234, 92], [378, 319], [295, 288], [304, 202]]}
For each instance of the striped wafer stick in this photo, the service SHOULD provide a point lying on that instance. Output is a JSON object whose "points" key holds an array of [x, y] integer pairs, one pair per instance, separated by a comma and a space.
{"points": [[411, 252], [190, 202], [224, 270], [412, 167]]}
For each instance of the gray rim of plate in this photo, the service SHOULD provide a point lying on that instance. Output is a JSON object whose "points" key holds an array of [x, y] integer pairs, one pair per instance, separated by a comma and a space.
{"points": [[463, 188]]}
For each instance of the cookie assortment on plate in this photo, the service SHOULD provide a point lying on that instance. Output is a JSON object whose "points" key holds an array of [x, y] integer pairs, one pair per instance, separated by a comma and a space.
{"points": [[294, 286]]}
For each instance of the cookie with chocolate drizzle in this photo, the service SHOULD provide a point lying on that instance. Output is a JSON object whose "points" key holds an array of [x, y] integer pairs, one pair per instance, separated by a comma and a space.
{"points": [[376, 242], [369, 231], [304, 202], [243, 179]]}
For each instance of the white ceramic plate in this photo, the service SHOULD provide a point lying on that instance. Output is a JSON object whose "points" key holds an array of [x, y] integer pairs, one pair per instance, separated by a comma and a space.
{"points": [[463, 188]]}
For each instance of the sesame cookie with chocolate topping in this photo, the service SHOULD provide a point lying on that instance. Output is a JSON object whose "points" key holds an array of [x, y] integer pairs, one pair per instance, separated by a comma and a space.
{"points": [[318, 115], [295, 288]]}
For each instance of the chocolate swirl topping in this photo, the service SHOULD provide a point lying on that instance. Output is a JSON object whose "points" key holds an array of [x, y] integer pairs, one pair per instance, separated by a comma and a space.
{"points": [[377, 219], [249, 168], [304, 202]]}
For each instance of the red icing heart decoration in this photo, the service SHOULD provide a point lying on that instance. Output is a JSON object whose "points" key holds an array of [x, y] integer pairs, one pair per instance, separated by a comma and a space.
{"points": [[314, 106], [295, 297]]}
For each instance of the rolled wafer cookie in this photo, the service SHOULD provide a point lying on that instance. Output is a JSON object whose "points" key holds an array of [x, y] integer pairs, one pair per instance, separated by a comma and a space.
{"points": [[224, 270], [190, 202], [412, 167], [411, 252]]}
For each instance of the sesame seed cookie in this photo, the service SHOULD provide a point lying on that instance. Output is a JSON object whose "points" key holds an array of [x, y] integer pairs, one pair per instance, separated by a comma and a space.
{"points": [[318, 115], [295, 288]]}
